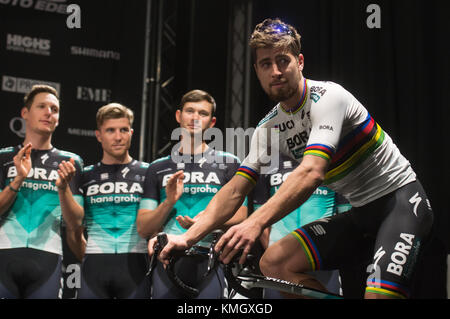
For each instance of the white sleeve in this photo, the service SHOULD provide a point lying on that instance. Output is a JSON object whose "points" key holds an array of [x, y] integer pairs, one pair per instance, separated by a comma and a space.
{"points": [[327, 119], [263, 154]]}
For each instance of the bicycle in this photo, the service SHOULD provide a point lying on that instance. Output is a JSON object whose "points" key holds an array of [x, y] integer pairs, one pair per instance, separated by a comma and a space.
{"points": [[245, 279]]}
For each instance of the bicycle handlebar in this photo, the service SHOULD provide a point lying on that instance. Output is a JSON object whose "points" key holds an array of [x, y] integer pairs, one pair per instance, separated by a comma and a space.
{"points": [[238, 276]]}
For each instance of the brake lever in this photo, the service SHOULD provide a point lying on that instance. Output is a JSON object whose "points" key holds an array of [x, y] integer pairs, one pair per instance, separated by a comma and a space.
{"points": [[161, 242], [212, 255]]}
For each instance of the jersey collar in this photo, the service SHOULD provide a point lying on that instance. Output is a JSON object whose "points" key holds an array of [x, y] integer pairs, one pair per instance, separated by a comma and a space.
{"points": [[302, 102]]}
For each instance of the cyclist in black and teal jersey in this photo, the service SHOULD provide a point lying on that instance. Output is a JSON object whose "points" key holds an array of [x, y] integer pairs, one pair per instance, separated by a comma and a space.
{"points": [[179, 187], [30, 213], [323, 203], [115, 261]]}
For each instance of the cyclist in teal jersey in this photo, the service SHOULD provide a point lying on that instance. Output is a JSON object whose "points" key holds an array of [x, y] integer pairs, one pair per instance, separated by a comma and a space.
{"points": [[115, 256], [179, 187], [30, 213], [323, 203]]}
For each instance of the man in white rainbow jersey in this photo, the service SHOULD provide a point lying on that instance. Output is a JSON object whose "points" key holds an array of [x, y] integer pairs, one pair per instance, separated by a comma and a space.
{"points": [[339, 145]]}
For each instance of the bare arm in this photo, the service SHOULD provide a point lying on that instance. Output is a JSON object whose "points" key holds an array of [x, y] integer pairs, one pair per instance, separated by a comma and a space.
{"points": [[72, 211], [220, 209], [297, 188], [238, 217], [22, 162], [148, 221]]}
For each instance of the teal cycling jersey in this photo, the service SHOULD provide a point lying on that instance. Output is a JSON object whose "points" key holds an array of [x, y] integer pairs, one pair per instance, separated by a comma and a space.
{"points": [[322, 203], [112, 194], [204, 176], [34, 220]]}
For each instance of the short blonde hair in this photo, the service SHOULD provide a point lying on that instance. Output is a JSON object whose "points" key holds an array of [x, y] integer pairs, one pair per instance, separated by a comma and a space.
{"points": [[113, 111], [274, 33]]}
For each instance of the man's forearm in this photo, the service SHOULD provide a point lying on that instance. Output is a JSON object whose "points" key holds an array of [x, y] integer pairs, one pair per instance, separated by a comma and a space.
{"points": [[297, 188], [220, 209], [9, 194], [72, 212], [149, 222]]}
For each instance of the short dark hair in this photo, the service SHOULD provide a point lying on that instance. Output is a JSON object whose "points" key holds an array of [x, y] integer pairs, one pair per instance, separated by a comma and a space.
{"points": [[35, 90], [198, 96], [274, 33]]}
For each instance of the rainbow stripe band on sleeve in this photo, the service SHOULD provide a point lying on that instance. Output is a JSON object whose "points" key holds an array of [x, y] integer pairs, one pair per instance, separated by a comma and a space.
{"points": [[354, 148], [248, 173], [386, 288], [309, 248], [319, 150]]}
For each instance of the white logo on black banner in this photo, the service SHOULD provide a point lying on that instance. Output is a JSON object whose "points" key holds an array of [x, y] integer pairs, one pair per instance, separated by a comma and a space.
{"points": [[17, 125], [23, 86], [93, 94], [95, 53], [26, 44], [56, 6]]}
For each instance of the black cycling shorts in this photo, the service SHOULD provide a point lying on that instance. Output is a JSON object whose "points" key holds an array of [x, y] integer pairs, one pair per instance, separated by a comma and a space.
{"points": [[114, 276], [390, 231], [28, 273]]}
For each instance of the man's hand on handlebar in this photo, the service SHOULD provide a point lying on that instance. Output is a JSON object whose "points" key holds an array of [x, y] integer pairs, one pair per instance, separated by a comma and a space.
{"points": [[174, 242], [237, 238]]}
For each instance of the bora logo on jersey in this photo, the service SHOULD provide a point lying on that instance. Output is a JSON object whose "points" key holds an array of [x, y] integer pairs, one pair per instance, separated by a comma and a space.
{"points": [[114, 188]]}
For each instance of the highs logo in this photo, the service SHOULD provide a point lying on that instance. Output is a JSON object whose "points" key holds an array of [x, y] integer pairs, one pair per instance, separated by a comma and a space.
{"points": [[27, 44], [55, 6]]}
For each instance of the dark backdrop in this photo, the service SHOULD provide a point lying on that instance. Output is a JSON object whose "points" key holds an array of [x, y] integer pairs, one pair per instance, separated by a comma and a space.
{"points": [[400, 72]]}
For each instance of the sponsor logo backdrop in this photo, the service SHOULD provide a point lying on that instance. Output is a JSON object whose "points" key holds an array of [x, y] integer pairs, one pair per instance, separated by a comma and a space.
{"points": [[100, 62]]}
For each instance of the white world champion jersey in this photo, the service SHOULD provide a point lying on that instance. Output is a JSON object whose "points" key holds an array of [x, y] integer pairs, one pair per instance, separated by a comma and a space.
{"points": [[364, 163]]}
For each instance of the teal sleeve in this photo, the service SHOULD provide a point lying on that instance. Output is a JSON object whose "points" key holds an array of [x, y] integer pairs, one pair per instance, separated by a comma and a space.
{"points": [[147, 203]]}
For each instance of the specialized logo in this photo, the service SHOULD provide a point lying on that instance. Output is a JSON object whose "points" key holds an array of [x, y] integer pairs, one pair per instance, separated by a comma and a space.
{"points": [[23, 86], [28, 44], [380, 253], [202, 161], [44, 158], [400, 255], [415, 200], [114, 188], [196, 177], [125, 172]]}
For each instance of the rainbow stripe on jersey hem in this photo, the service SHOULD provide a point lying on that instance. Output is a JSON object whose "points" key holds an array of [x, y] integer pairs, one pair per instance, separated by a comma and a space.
{"points": [[309, 248], [387, 288], [248, 173]]}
